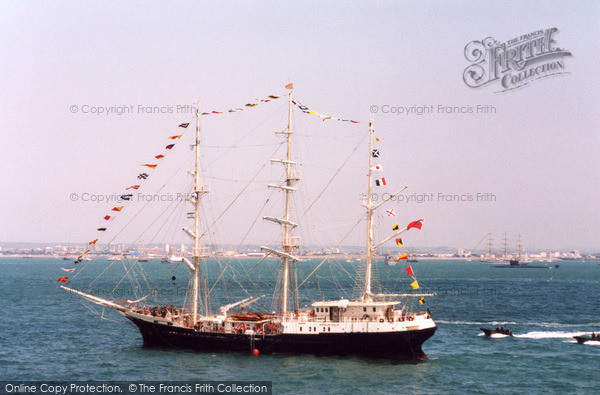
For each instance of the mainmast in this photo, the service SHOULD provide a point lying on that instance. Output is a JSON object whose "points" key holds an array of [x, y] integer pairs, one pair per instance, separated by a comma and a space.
{"points": [[289, 242], [199, 190], [370, 209]]}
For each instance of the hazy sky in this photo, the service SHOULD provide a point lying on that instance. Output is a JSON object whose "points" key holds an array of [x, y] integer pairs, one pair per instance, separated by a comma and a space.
{"points": [[537, 154]]}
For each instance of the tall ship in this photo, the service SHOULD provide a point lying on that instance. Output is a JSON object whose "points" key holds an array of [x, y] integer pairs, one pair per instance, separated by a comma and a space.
{"points": [[378, 324]]}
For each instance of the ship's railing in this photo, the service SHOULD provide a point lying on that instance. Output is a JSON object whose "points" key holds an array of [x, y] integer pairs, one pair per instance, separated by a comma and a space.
{"points": [[396, 317]]}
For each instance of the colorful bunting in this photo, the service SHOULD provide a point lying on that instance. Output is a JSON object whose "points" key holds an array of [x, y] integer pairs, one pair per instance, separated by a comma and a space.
{"points": [[422, 300], [409, 271], [62, 279], [390, 212], [128, 197], [415, 224], [381, 181], [375, 153], [414, 284], [399, 242], [377, 168], [289, 86], [395, 227], [306, 110], [67, 270], [402, 257], [273, 97]]}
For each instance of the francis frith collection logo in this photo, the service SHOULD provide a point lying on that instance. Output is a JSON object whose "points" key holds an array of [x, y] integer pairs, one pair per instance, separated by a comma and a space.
{"points": [[514, 63]]}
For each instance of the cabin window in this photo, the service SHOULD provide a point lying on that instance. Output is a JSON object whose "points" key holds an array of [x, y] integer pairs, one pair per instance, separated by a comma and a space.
{"points": [[300, 329], [374, 310], [326, 309], [309, 328], [329, 329], [365, 309]]}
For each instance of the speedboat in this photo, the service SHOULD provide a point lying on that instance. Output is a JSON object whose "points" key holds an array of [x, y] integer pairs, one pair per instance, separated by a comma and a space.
{"points": [[587, 338], [497, 331]]}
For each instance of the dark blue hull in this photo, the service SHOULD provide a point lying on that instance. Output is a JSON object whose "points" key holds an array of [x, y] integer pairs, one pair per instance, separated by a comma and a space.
{"points": [[401, 345]]}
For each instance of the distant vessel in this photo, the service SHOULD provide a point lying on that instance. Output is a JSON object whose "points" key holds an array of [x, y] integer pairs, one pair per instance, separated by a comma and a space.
{"points": [[517, 262], [172, 259], [489, 257], [389, 259]]}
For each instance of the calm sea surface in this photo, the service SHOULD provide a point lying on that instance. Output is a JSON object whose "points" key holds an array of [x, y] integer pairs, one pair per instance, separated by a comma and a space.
{"points": [[48, 334]]}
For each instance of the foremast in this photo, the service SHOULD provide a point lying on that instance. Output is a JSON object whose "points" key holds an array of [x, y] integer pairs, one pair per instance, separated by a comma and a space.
{"points": [[289, 242]]}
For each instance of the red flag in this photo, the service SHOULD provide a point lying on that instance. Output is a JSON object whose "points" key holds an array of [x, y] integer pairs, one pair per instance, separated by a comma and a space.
{"points": [[159, 156], [107, 217], [409, 271], [132, 187], [289, 86], [415, 224], [150, 166], [63, 279]]}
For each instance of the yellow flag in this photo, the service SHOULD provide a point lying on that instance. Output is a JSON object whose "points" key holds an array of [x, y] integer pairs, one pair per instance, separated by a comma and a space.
{"points": [[415, 284]]}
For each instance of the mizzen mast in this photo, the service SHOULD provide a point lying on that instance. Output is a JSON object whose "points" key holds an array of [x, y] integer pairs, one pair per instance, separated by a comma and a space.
{"points": [[370, 209]]}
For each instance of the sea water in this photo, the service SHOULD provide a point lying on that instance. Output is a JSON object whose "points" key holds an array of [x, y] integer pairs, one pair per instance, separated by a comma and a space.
{"points": [[50, 334]]}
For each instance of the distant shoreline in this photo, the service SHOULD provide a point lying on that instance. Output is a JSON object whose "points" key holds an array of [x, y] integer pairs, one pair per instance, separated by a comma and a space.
{"points": [[334, 257]]}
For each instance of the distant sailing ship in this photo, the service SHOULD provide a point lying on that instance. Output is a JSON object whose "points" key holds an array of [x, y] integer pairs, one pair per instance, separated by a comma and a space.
{"points": [[373, 324]]}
